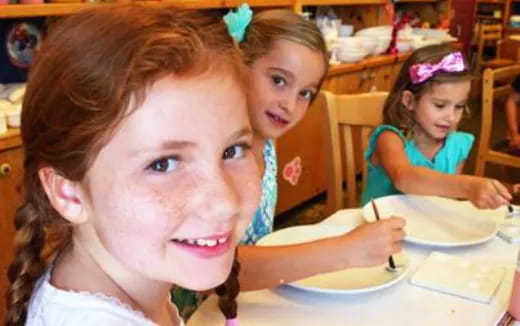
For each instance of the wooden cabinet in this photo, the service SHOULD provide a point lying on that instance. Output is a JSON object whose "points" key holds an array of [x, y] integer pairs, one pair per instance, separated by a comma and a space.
{"points": [[11, 163], [301, 146]]}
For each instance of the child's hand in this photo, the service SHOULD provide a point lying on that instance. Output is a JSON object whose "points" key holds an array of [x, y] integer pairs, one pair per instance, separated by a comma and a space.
{"points": [[514, 143], [371, 244], [488, 193]]}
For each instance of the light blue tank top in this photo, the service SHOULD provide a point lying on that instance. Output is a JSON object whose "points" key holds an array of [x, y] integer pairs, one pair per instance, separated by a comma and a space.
{"points": [[455, 150]]}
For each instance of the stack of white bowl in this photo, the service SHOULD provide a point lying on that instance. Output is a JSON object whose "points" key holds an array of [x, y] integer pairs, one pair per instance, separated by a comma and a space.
{"points": [[350, 49], [380, 38], [11, 97]]}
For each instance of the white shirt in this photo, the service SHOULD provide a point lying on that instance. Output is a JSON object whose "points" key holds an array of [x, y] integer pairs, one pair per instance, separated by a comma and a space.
{"points": [[52, 306]]}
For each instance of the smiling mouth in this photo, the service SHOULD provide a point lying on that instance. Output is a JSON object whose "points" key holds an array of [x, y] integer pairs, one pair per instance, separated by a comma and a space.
{"points": [[276, 120], [205, 247], [203, 242]]}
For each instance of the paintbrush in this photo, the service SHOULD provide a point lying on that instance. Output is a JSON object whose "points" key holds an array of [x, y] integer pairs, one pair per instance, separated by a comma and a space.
{"points": [[510, 209], [390, 259]]}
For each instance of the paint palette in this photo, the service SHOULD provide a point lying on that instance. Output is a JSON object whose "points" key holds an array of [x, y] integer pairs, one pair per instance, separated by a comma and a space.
{"points": [[462, 277], [343, 282]]}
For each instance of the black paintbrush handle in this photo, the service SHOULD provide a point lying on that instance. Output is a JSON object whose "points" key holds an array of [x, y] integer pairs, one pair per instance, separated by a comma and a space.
{"points": [[376, 213]]}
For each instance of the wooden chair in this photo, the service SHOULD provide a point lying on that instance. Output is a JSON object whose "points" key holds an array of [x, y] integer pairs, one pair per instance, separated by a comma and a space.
{"points": [[490, 93], [342, 115], [491, 34]]}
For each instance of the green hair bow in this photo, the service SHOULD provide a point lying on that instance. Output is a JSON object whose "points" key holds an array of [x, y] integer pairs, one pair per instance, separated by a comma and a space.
{"points": [[238, 21]]}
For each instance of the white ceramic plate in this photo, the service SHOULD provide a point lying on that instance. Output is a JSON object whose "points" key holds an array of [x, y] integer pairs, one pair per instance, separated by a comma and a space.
{"points": [[348, 281], [436, 221]]}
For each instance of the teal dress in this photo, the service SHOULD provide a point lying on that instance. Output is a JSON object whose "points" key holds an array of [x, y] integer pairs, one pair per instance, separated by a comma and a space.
{"points": [[262, 224], [455, 150]]}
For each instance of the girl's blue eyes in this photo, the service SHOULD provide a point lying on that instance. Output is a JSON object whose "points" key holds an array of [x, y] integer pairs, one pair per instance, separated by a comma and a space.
{"points": [[163, 165], [170, 163]]}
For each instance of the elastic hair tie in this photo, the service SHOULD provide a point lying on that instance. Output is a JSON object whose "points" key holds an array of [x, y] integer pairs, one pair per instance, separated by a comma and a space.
{"points": [[238, 21], [232, 322]]}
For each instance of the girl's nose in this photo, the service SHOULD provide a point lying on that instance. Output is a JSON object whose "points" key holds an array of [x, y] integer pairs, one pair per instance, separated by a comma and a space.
{"points": [[288, 104], [219, 197]]}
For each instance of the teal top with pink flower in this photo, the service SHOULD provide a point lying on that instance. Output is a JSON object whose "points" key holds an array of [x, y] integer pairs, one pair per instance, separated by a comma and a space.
{"points": [[262, 223]]}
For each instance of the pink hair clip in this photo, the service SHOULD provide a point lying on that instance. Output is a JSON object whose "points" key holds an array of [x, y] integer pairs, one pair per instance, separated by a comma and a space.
{"points": [[421, 72], [232, 322]]}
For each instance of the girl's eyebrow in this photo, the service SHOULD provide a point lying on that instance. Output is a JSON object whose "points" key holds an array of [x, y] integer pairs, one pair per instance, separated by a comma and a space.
{"points": [[288, 74], [436, 99], [244, 131], [166, 145], [182, 144]]}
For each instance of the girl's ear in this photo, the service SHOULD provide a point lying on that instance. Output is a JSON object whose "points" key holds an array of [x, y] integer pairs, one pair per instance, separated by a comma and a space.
{"points": [[407, 99], [64, 195]]}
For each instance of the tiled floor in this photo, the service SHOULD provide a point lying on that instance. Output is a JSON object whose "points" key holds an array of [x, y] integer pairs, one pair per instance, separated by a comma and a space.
{"points": [[314, 210]]}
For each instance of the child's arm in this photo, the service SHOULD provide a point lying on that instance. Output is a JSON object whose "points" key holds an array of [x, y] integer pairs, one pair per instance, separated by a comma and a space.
{"points": [[511, 116], [391, 155], [367, 245], [460, 167]]}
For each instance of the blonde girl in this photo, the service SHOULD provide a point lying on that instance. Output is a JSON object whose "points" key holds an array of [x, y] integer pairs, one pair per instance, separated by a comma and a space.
{"points": [[123, 191], [287, 60], [418, 149]]}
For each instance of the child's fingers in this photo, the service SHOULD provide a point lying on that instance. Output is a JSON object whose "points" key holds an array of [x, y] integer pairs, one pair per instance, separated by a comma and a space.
{"points": [[516, 188], [502, 190], [396, 222]]}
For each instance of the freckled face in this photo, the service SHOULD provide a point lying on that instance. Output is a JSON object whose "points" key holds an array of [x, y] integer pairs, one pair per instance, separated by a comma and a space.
{"points": [[172, 192]]}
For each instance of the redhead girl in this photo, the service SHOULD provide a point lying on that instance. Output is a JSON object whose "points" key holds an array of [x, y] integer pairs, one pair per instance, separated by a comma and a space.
{"points": [[124, 193]]}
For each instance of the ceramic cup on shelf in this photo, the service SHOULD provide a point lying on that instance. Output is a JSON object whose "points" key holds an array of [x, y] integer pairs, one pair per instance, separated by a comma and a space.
{"points": [[3, 122], [345, 30]]}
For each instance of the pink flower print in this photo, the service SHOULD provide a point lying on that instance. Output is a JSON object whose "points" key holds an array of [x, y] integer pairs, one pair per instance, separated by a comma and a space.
{"points": [[292, 171]]}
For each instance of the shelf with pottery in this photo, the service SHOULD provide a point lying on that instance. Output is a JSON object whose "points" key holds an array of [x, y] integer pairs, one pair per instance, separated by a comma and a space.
{"points": [[369, 62]]}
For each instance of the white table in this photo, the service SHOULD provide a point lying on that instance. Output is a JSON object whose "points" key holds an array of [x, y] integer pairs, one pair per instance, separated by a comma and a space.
{"points": [[401, 304]]}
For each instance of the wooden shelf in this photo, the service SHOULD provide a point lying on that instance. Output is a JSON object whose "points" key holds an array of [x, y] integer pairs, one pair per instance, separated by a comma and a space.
{"points": [[61, 9], [411, 1], [259, 3], [10, 139], [378, 60], [369, 62], [342, 2]]}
